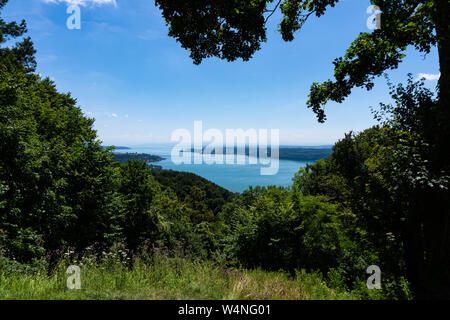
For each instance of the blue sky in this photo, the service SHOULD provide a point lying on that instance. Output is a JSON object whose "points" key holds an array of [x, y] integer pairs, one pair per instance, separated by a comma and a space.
{"points": [[140, 85]]}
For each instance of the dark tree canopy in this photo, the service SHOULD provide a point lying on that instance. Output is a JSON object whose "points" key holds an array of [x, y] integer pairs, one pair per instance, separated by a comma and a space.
{"points": [[222, 28]]}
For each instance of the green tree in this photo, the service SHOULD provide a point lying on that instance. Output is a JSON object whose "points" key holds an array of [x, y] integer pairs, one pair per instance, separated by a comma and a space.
{"points": [[59, 186], [138, 188], [196, 201], [420, 184], [384, 176], [21, 55], [280, 229]]}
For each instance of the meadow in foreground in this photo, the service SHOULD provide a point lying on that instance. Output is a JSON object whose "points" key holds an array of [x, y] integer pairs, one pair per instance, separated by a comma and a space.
{"points": [[164, 278], [160, 277]]}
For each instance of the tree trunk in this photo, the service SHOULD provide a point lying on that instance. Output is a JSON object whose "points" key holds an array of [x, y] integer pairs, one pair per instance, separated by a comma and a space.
{"points": [[443, 36], [436, 216]]}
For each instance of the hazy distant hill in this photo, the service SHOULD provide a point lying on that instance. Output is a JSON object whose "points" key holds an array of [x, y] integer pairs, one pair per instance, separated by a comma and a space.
{"points": [[293, 153], [304, 154]]}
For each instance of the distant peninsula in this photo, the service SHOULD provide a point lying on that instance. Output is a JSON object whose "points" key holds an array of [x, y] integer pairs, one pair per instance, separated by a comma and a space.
{"points": [[289, 153], [117, 147], [124, 157]]}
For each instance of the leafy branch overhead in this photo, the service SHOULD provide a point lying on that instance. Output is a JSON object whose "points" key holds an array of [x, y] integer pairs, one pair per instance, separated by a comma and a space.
{"points": [[235, 29]]}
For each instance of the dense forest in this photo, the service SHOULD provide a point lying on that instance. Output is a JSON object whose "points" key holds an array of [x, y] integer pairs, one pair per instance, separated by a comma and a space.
{"points": [[380, 198]]}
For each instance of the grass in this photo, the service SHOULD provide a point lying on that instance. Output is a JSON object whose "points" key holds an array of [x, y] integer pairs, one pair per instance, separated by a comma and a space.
{"points": [[162, 278]]}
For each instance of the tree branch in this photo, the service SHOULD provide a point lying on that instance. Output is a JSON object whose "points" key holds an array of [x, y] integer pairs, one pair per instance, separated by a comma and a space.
{"points": [[273, 11]]}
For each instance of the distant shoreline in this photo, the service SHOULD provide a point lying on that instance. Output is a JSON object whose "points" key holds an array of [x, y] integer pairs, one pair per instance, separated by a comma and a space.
{"points": [[125, 157], [292, 153], [288, 153]]}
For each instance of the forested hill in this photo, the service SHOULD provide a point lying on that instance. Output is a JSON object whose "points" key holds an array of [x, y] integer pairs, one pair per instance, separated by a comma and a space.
{"points": [[183, 182]]}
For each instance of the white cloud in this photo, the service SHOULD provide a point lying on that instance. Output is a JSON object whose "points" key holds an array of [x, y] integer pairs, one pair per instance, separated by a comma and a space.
{"points": [[114, 115], [84, 3], [428, 76]]}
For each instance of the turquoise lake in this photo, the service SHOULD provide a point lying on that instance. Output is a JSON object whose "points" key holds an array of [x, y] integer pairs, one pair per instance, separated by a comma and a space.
{"points": [[234, 177]]}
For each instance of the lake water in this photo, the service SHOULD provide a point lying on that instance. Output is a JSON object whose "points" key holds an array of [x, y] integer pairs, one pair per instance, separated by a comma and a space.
{"points": [[234, 177]]}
